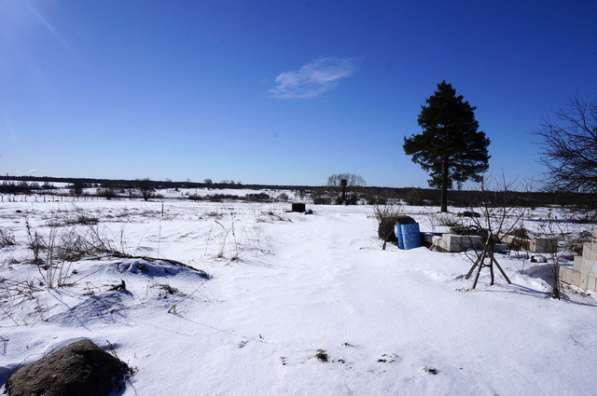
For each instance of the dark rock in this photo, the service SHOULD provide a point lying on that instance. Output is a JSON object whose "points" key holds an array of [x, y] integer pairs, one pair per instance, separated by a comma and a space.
{"points": [[80, 368]]}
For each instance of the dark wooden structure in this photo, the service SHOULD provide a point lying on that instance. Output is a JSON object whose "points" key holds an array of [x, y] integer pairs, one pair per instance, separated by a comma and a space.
{"points": [[487, 259]]}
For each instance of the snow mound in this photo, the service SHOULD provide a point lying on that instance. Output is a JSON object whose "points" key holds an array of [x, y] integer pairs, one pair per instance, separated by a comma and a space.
{"points": [[157, 268], [107, 307]]}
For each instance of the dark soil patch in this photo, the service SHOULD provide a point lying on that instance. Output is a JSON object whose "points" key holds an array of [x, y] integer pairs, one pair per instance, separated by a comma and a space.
{"points": [[322, 356], [431, 370]]}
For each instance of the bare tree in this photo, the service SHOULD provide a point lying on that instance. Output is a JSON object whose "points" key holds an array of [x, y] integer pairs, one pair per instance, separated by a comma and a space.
{"points": [[570, 147], [351, 180], [146, 188], [77, 188], [497, 219]]}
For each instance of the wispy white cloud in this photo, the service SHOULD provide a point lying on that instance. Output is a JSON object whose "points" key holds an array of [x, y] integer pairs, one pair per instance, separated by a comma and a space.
{"points": [[312, 79]]}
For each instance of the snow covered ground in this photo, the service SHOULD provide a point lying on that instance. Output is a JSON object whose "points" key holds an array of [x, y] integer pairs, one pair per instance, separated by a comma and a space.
{"points": [[287, 292]]}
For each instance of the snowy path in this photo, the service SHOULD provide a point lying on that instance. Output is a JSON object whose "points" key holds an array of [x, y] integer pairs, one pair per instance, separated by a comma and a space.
{"points": [[329, 284]]}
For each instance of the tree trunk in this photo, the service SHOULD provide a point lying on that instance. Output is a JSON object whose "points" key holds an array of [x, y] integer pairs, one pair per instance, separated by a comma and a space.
{"points": [[444, 185]]}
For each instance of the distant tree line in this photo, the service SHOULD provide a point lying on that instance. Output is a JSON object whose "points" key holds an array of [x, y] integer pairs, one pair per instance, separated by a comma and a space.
{"points": [[324, 194], [23, 187]]}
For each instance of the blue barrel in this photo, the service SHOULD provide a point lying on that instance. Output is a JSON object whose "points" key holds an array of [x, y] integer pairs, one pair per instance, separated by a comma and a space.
{"points": [[411, 236], [399, 238]]}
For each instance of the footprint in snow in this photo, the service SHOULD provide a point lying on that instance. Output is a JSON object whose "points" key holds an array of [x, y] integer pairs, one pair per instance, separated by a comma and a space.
{"points": [[242, 344]]}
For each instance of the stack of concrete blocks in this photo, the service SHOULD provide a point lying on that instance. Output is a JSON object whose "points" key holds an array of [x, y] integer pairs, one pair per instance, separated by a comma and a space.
{"points": [[455, 243], [535, 245], [584, 272], [458, 243]]}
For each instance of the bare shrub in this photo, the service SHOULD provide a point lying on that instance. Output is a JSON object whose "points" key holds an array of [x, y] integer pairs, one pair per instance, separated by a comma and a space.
{"points": [[64, 248], [498, 218], [214, 214], [269, 216], [13, 293], [448, 220], [228, 231], [146, 188], [465, 229], [520, 232], [385, 211], [457, 224], [53, 273], [83, 219], [35, 242], [74, 246], [387, 216], [107, 193], [79, 218], [520, 240], [7, 238]]}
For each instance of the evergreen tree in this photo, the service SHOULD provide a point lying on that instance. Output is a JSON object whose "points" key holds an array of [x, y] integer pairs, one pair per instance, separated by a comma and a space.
{"points": [[77, 188], [450, 147]]}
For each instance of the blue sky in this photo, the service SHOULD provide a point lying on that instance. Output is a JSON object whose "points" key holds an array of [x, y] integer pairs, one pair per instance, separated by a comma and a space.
{"points": [[277, 91]]}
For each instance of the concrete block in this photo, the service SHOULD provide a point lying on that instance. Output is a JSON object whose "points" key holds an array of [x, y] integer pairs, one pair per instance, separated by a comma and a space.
{"points": [[459, 243], [543, 245], [586, 281], [570, 276], [591, 283], [587, 266], [589, 251], [578, 262], [584, 272], [455, 243]]}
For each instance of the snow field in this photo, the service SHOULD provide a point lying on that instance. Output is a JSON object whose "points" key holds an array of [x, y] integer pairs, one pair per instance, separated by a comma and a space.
{"points": [[283, 286]]}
